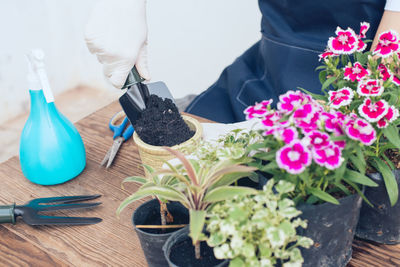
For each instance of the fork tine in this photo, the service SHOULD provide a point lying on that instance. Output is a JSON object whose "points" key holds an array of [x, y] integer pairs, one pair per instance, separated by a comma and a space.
{"points": [[55, 220], [67, 206], [67, 199]]}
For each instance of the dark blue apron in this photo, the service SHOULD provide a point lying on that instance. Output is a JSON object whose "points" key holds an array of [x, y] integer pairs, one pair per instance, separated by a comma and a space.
{"points": [[294, 32]]}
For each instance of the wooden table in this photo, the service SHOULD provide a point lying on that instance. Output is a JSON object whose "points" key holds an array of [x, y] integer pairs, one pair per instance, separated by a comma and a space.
{"points": [[112, 242]]}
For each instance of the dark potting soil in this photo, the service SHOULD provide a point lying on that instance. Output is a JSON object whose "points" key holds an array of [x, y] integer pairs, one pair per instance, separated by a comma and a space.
{"points": [[182, 254], [154, 218], [161, 124]]}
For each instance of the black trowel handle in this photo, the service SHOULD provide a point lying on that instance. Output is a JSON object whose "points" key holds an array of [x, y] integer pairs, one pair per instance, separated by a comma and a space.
{"points": [[133, 78]]}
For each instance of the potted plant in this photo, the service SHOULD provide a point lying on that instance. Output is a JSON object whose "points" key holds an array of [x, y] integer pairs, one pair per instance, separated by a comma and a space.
{"points": [[259, 229], [321, 152], [368, 84], [196, 184], [155, 220], [161, 124]]}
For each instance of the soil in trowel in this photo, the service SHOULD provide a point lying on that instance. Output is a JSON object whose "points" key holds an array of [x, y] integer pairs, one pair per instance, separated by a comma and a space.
{"points": [[161, 124]]}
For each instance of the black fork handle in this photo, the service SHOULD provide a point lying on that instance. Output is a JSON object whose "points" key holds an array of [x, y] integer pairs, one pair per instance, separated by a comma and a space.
{"points": [[7, 214]]}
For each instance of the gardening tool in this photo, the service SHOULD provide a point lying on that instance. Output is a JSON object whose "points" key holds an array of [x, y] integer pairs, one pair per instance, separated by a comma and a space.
{"points": [[51, 149], [30, 212], [135, 98], [121, 134]]}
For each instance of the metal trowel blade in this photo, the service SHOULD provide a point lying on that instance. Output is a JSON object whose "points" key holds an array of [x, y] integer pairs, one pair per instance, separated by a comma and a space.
{"points": [[160, 89]]}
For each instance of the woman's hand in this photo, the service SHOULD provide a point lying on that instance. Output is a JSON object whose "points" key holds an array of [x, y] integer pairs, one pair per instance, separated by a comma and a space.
{"points": [[117, 34]]}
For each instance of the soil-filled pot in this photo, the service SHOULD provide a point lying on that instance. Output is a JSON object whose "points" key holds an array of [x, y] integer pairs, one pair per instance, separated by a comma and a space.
{"points": [[179, 252], [380, 223], [152, 240], [155, 156], [332, 229]]}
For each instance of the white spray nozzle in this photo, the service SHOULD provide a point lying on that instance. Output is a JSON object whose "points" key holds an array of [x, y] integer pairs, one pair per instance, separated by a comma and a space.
{"points": [[36, 63]]}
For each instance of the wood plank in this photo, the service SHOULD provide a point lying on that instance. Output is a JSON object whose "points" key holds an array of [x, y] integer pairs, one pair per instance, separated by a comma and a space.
{"points": [[113, 241]]}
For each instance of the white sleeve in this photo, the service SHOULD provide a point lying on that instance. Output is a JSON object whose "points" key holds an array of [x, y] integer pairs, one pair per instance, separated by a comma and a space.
{"points": [[392, 5]]}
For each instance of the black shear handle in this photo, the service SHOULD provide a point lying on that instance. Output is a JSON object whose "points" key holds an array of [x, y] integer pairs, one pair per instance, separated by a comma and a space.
{"points": [[7, 214]]}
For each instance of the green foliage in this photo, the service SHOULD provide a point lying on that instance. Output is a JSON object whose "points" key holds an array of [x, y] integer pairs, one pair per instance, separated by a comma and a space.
{"points": [[258, 229], [197, 183]]}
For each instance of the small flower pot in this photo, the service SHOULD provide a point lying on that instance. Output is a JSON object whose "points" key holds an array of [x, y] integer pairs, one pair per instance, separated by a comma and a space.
{"points": [[179, 252], [152, 240], [155, 156], [332, 229], [380, 223]]}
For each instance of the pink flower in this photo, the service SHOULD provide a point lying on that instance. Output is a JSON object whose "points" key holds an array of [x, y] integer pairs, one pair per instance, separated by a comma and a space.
{"points": [[342, 97], [364, 27], [388, 44], [391, 116], [361, 130], [318, 139], [326, 54], [370, 88], [361, 45], [333, 121], [292, 100], [357, 72], [373, 112], [259, 110], [329, 157], [346, 41], [396, 80], [293, 158], [287, 135], [271, 119], [384, 72]]}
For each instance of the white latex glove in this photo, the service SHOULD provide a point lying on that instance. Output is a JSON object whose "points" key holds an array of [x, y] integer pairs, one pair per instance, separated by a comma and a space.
{"points": [[117, 34], [213, 131]]}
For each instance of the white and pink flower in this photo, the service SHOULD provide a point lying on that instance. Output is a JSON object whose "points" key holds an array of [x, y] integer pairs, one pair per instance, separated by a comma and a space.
{"points": [[370, 88], [329, 157], [364, 27], [271, 119], [355, 73], [390, 116], [291, 101], [373, 111], [361, 130], [287, 135], [259, 110], [318, 139], [396, 80], [385, 72], [340, 98], [346, 41], [326, 54], [293, 157], [388, 43]]}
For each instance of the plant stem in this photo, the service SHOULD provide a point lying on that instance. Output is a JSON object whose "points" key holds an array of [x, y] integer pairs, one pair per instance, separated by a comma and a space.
{"points": [[377, 144], [197, 250]]}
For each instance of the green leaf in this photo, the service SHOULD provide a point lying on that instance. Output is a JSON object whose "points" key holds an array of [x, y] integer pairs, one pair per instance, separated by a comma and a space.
{"points": [[322, 76], [226, 192], [230, 179], [389, 179], [315, 96], [236, 262], [391, 132], [355, 186], [322, 195], [197, 220], [230, 170], [270, 166], [328, 82], [359, 178], [136, 179]]}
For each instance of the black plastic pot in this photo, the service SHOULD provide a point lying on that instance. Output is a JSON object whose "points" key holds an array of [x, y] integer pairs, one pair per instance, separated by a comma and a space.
{"points": [[332, 229], [179, 252], [152, 240], [380, 223]]}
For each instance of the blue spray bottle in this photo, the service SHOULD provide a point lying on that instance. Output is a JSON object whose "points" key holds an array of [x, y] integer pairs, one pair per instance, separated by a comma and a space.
{"points": [[51, 149]]}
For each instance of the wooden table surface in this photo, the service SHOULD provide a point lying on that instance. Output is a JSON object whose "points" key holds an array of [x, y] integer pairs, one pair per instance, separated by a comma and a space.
{"points": [[112, 242]]}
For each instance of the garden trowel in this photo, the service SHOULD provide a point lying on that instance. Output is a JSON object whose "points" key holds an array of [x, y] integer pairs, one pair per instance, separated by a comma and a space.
{"points": [[135, 98]]}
